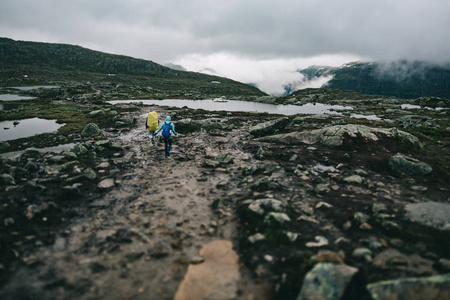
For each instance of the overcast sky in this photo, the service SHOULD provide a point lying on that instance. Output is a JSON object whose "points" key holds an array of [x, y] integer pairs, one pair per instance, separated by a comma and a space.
{"points": [[259, 41]]}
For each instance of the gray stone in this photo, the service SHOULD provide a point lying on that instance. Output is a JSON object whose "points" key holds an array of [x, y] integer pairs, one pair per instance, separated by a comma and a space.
{"points": [[106, 183], [433, 214], [362, 252], [408, 165], [90, 130], [31, 166], [8, 179], [353, 179], [278, 217], [261, 205], [321, 188], [429, 288], [326, 281], [96, 113], [334, 135], [269, 127], [256, 238]]}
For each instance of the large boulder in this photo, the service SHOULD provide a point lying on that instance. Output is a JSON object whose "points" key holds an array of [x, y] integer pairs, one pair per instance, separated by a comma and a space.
{"points": [[432, 214], [430, 288], [326, 281], [408, 165], [333, 136], [96, 113], [90, 130], [269, 127]]}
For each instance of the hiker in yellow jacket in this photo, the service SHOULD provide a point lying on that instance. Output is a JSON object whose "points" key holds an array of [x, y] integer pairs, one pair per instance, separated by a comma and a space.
{"points": [[152, 124]]}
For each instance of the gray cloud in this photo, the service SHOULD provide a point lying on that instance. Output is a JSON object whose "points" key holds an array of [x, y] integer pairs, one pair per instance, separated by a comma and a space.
{"points": [[172, 30]]}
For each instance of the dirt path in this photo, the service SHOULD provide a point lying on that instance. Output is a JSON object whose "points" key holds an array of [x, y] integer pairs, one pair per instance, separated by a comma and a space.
{"points": [[137, 241]]}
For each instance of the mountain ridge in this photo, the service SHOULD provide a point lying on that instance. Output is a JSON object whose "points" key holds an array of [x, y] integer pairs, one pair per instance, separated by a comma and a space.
{"points": [[403, 79], [24, 63]]}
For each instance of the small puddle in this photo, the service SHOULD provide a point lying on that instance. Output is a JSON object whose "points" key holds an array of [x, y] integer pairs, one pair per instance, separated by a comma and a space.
{"points": [[11, 97], [11, 130]]}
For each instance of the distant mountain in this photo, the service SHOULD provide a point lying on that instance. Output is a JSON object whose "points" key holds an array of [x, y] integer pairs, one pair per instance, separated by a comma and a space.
{"points": [[34, 63], [404, 79]]}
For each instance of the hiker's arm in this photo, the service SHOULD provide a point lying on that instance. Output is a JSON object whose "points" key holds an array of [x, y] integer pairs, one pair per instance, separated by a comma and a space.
{"points": [[173, 129]]}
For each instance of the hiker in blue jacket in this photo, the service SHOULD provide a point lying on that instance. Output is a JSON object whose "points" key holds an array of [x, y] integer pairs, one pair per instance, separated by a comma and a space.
{"points": [[166, 127]]}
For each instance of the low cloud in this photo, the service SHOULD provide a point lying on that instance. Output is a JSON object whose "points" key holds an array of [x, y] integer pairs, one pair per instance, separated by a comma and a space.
{"points": [[269, 75]]}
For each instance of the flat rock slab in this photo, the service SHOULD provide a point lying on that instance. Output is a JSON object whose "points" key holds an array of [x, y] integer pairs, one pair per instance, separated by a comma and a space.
{"points": [[216, 278], [433, 214], [430, 288]]}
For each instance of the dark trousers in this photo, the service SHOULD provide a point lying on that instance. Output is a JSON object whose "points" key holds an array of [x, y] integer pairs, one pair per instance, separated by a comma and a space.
{"points": [[167, 146]]}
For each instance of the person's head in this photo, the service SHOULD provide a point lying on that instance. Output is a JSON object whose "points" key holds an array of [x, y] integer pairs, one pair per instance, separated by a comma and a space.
{"points": [[168, 119]]}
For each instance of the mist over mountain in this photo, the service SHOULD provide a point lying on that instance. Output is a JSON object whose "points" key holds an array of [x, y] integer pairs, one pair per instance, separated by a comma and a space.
{"points": [[404, 79]]}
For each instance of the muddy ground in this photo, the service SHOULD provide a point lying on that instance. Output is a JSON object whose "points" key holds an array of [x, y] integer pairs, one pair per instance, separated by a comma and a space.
{"points": [[134, 229]]}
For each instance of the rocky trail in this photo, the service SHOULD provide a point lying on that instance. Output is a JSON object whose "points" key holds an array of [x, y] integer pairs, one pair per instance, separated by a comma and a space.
{"points": [[136, 240], [248, 206]]}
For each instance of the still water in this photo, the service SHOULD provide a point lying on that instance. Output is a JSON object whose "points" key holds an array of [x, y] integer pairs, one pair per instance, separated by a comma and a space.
{"points": [[26, 128], [11, 97], [245, 106]]}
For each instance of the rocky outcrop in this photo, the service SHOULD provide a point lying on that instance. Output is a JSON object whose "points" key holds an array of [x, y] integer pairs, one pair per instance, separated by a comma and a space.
{"points": [[408, 165], [432, 214], [333, 136], [90, 130], [269, 127], [430, 288], [326, 281]]}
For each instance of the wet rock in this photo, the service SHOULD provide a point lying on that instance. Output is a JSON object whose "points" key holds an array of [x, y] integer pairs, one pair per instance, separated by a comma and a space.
{"points": [[277, 217], [106, 183], [321, 188], [80, 149], [430, 288], [90, 130], [269, 127], [320, 241], [326, 281], [96, 113], [433, 214], [443, 265], [224, 158], [353, 179], [261, 205], [362, 253], [160, 249], [266, 183], [360, 218], [7, 179], [210, 163], [408, 165], [334, 135]]}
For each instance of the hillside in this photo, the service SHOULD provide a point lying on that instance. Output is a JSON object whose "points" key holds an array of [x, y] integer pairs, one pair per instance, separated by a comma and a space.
{"points": [[402, 79], [31, 63]]}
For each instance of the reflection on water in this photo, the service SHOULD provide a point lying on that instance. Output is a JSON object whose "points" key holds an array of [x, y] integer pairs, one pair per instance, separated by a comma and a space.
{"points": [[11, 97], [234, 105], [11, 130]]}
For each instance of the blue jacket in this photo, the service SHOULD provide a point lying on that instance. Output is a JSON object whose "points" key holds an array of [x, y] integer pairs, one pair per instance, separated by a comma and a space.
{"points": [[168, 121]]}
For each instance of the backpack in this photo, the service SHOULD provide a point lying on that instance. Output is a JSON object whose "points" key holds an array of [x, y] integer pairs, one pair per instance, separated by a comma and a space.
{"points": [[152, 121], [166, 130]]}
